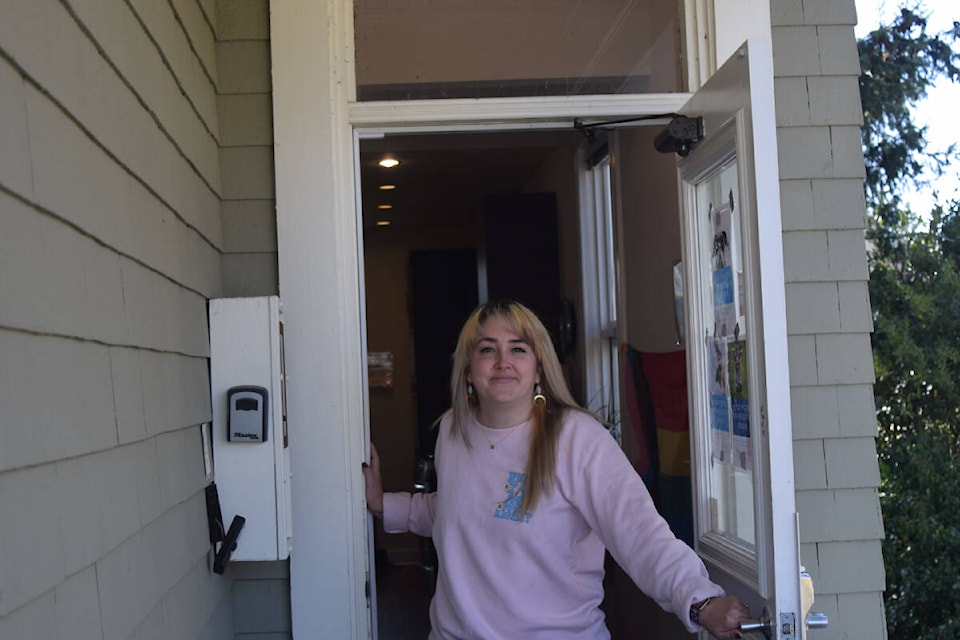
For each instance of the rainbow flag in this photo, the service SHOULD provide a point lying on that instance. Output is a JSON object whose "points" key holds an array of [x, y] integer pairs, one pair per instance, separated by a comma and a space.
{"points": [[655, 399]]}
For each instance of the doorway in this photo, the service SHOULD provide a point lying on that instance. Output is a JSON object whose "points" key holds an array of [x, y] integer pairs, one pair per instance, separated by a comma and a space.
{"points": [[429, 229], [433, 248]]}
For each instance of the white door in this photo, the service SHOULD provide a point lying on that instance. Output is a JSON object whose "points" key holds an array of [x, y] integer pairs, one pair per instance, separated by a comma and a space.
{"points": [[736, 340]]}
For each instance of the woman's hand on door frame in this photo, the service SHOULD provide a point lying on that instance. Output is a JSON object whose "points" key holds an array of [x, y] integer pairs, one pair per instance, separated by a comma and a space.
{"points": [[373, 485]]}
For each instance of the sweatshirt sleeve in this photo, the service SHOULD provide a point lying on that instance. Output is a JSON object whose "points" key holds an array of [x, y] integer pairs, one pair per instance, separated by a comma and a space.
{"points": [[403, 512], [612, 498]]}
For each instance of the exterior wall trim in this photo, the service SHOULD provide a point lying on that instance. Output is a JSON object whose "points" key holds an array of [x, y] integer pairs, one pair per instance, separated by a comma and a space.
{"points": [[321, 290]]}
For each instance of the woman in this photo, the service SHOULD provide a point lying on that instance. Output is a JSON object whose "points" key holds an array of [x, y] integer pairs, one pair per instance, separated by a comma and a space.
{"points": [[531, 491]]}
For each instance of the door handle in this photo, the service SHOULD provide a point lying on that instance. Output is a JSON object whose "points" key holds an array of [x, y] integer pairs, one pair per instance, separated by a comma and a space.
{"points": [[817, 620], [763, 625]]}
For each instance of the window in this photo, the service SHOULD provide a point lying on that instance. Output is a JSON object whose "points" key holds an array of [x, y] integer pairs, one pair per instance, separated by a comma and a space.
{"points": [[410, 50], [600, 277]]}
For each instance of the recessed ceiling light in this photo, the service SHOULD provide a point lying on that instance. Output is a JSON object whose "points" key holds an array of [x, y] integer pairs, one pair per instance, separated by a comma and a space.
{"points": [[383, 223], [387, 187], [384, 207], [389, 163]]}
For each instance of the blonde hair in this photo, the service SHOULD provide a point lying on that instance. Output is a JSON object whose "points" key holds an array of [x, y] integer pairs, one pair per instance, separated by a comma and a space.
{"points": [[547, 417]]}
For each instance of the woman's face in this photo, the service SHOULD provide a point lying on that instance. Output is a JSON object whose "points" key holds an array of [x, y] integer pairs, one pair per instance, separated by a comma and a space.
{"points": [[503, 369]]}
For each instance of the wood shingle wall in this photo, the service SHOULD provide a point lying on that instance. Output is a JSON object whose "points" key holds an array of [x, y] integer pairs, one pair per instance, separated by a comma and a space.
{"points": [[110, 246], [828, 311]]}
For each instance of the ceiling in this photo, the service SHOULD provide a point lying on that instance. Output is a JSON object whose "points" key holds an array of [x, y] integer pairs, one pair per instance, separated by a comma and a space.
{"points": [[442, 178]]}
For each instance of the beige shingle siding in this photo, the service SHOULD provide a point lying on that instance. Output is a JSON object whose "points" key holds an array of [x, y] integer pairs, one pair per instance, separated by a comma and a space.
{"points": [[110, 237], [832, 411], [198, 26], [825, 255], [829, 318], [851, 511], [828, 307], [812, 100], [15, 173], [834, 101], [828, 12], [813, 152], [57, 399], [813, 307], [261, 593], [248, 172], [246, 127], [844, 359], [242, 19], [850, 566], [150, 143], [152, 53], [822, 204], [246, 119]]}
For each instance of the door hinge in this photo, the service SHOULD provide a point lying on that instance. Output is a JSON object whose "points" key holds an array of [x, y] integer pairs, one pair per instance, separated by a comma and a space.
{"points": [[366, 587]]}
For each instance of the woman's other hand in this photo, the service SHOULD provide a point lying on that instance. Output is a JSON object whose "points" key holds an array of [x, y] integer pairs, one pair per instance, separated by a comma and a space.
{"points": [[373, 483]]}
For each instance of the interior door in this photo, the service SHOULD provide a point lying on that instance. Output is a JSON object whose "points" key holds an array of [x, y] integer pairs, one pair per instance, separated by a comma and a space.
{"points": [[745, 516]]}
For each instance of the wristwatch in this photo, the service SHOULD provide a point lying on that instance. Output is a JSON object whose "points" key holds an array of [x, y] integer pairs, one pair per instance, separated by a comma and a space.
{"points": [[696, 608]]}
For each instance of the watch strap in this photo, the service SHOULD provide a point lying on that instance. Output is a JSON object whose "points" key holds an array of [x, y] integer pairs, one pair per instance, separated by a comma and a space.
{"points": [[698, 607]]}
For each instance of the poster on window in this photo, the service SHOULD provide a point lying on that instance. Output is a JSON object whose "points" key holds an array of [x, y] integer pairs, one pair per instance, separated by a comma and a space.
{"points": [[678, 309], [720, 443], [739, 403], [724, 291]]}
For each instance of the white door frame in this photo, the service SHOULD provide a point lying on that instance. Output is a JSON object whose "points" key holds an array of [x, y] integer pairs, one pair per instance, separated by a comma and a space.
{"points": [[458, 116], [315, 118]]}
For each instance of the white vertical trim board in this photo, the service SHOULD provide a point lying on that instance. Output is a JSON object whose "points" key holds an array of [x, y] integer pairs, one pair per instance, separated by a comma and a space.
{"points": [[311, 47]]}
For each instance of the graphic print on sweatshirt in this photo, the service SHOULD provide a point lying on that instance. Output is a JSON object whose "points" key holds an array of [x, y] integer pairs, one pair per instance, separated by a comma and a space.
{"points": [[509, 509]]}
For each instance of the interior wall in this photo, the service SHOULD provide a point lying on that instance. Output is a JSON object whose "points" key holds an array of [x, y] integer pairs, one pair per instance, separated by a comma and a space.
{"points": [[649, 234], [650, 228], [393, 411], [558, 174]]}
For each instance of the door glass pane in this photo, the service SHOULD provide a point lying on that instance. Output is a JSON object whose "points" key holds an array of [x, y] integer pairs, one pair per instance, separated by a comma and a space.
{"points": [[726, 333], [429, 49]]}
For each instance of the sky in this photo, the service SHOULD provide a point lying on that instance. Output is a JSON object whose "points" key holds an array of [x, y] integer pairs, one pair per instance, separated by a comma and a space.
{"points": [[935, 110]]}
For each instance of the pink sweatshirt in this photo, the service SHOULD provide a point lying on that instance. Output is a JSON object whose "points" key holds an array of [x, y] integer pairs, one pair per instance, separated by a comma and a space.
{"points": [[541, 577]]}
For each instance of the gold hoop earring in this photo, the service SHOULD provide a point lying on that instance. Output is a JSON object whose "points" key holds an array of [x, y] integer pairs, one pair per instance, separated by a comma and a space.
{"points": [[538, 397]]}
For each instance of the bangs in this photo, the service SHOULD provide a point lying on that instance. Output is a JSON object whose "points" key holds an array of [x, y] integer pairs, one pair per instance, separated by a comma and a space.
{"points": [[510, 312]]}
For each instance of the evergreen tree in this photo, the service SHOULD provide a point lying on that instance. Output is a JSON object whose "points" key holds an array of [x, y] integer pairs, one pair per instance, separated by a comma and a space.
{"points": [[915, 295]]}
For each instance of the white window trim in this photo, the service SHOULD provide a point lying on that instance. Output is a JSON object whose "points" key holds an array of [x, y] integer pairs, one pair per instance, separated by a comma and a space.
{"points": [[599, 289], [698, 38]]}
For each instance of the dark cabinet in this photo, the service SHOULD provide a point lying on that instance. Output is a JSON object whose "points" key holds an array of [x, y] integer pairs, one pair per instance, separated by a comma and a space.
{"points": [[521, 255]]}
